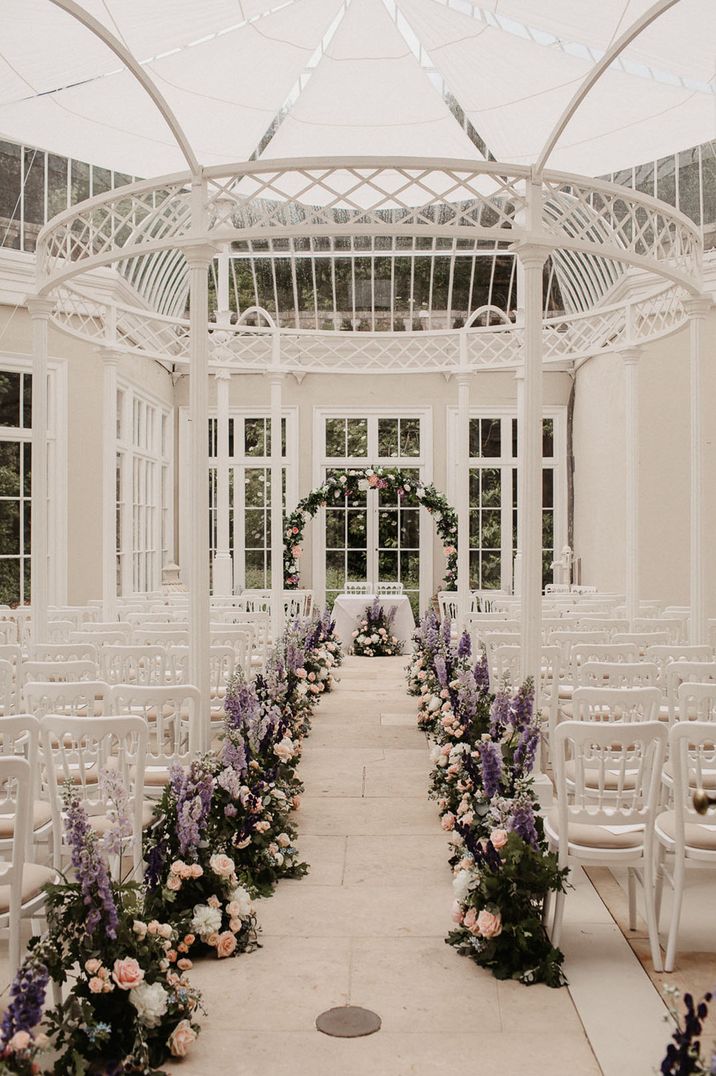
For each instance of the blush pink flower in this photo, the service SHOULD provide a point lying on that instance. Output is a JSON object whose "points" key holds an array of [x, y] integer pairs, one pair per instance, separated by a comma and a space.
{"points": [[448, 821], [489, 924], [470, 920], [226, 944], [498, 837], [127, 973], [181, 1039]]}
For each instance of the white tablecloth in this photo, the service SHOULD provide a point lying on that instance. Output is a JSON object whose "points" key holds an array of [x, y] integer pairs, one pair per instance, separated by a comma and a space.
{"points": [[348, 608]]}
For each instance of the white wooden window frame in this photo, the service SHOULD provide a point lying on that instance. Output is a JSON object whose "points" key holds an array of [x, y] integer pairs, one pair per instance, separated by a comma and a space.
{"points": [[142, 459], [321, 463], [508, 462], [238, 464], [57, 465]]}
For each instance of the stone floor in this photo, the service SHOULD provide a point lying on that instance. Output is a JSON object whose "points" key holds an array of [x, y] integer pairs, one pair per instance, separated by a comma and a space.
{"points": [[367, 927]]}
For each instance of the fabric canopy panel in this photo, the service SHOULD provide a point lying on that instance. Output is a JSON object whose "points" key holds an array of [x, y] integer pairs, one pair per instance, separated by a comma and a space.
{"points": [[300, 78]]}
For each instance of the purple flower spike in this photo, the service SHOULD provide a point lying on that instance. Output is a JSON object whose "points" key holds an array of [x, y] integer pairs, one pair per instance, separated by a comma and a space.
{"points": [[90, 868], [491, 767], [522, 822], [464, 647], [27, 1000], [482, 673]]}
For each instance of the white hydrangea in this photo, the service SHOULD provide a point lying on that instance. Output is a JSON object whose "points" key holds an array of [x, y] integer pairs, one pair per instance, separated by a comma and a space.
{"points": [[461, 885], [151, 1002], [206, 920], [241, 897]]}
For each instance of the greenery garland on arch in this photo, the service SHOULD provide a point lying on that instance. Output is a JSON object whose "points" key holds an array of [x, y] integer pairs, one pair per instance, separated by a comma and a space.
{"points": [[346, 483]]}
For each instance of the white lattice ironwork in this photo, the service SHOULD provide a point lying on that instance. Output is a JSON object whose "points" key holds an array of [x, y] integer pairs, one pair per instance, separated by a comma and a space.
{"points": [[144, 229]]}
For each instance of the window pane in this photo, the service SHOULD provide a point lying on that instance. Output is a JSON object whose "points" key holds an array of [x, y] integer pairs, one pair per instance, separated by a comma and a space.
{"points": [[357, 565], [101, 180], [490, 429], [10, 185], [548, 437], [255, 437], [79, 182], [56, 184], [474, 437], [255, 482], [10, 527], [409, 529], [34, 196], [335, 437], [357, 536], [387, 565], [10, 581], [388, 529], [27, 401], [491, 487], [9, 398], [9, 469], [410, 437], [357, 436], [335, 529], [547, 488], [387, 437]]}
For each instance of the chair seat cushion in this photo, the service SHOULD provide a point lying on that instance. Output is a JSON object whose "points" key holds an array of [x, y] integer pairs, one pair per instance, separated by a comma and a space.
{"points": [[707, 778], [34, 876], [592, 778], [100, 823], [41, 815], [584, 835], [696, 835], [565, 691]]}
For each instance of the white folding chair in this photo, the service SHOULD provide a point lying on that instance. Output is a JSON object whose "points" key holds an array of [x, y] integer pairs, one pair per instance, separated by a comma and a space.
{"points": [[610, 819], [123, 664], [386, 589], [662, 655], [76, 698], [8, 688], [685, 672], [688, 838], [448, 605], [356, 588], [80, 651], [169, 712], [618, 674], [616, 705], [77, 750], [20, 735], [238, 638], [643, 639], [57, 671], [22, 890]]}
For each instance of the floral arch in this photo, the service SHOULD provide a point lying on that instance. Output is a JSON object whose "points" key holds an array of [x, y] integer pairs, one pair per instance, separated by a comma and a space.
{"points": [[347, 483]]}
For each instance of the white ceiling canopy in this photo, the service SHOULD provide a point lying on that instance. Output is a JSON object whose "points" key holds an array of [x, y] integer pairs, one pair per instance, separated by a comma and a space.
{"points": [[427, 78]]}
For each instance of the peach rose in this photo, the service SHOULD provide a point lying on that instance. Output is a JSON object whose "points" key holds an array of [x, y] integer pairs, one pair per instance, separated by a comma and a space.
{"points": [[489, 924], [196, 871], [214, 901], [448, 821], [226, 944], [213, 939], [184, 964], [235, 925], [283, 840], [127, 973], [470, 920], [181, 1039], [222, 865], [498, 838], [92, 966], [96, 985], [189, 939], [140, 929], [20, 1041], [457, 913], [174, 883], [178, 867]]}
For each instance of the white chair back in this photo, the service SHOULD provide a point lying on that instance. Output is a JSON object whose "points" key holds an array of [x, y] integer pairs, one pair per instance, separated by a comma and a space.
{"points": [[169, 712], [643, 639], [15, 803], [80, 651], [616, 705], [58, 671], [448, 604], [357, 588], [77, 698], [697, 702], [618, 674], [153, 637], [386, 589], [134, 664], [686, 672], [8, 688], [59, 631], [241, 639], [664, 654]]}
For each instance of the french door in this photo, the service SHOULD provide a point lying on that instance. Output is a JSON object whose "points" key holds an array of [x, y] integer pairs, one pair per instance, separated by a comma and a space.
{"points": [[374, 536]]}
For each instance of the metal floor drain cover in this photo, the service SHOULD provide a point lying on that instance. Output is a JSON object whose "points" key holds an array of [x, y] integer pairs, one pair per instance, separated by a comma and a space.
{"points": [[348, 1022]]}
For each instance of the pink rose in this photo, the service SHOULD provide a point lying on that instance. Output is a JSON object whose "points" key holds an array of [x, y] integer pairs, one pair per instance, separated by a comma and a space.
{"points": [[301, 673], [196, 871], [181, 1039], [498, 837], [184, 964], [457, 913], [226, 944], [262, 826], [222, 865], [20, 1041], [178, 866], [283, 840], [174, 883], [213, 939], [96, 985], [235, 925], [448, 821], [295, 802], [92, 966], [213, 902], [470, 920], [244, 844], [127, 973], [489, 924], [296, 551]]}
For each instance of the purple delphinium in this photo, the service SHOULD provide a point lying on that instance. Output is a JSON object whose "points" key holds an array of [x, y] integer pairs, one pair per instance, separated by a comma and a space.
{"points": [[90, 868], [522, 822], [523, 705], [490, 767], [193, 790], [27, 1000], [440, 667], [482, 673], [446, 629], [241, 704], [432, 635], [464, 647], [114, 792], [233, 753], [467, 699], [523, 759], [500, 713]]}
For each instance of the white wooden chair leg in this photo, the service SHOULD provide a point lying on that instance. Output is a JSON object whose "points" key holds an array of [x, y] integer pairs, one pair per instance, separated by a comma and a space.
{"points": [[651, 920], [659, 889], [679, 874], [631, 891]]}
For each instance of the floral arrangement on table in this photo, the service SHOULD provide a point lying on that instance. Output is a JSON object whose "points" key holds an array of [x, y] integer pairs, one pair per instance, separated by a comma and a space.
{"points": [[684, 1055], [129, 1006], [483, 755], [342, 484], [373, 638], [323, 653]]}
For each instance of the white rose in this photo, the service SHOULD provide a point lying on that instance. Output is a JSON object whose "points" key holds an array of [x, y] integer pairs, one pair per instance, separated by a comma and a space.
{"points": [[206, 920], [151, 1002], [374, 638], [461, 885], [284, 750], [241, 898]]}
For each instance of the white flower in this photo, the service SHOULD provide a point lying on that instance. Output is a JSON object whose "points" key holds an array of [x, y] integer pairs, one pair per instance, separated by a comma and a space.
{"points": [[206, 920], [374, 638], [241, 898], [285, 749], [151, 1002], [461, 885]]}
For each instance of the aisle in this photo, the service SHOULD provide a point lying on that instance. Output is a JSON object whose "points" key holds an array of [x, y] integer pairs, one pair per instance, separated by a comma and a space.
{"points": [[367, 927]]}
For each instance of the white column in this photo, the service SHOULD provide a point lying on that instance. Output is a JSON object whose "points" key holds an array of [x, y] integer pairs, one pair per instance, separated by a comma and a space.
{"points": [[40, 310], [630, 358], [110, 360], [223, 564], [276, 377], [532, 258], [520, 395], [697, 309], [462, 485], [199, 258]]}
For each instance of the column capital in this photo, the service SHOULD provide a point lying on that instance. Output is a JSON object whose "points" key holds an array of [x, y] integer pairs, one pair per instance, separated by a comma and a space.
{"points": [[222, 374], [464, 376], [275, 376], [631, 355], [109, 355], [698, 306], [532, 253], [39, 307], [199, 254]]}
